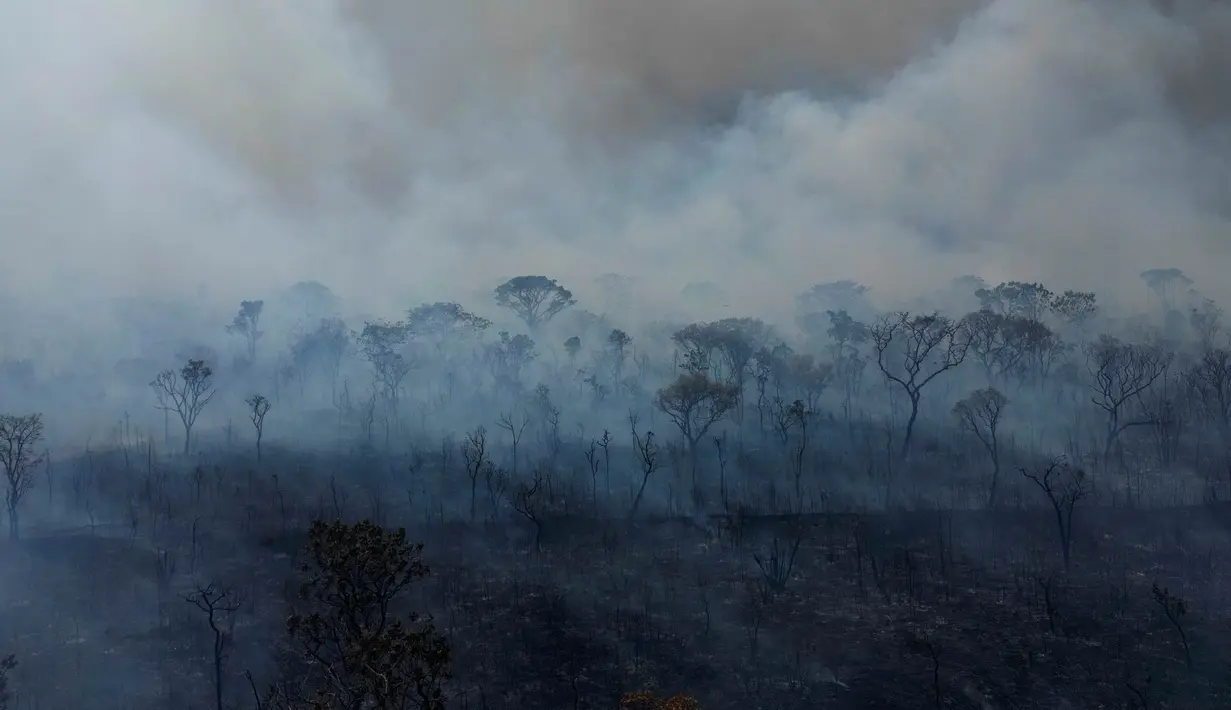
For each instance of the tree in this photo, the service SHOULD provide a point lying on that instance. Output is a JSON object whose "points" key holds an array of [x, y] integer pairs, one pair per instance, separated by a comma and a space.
{"points": [[259, 407], [352, 645], [19, 439], [217, 602], [1120, 373], [694, 403], [1174, 608], [324, 347], [1017, 298], [535, 299], [1210, 382], [1075, 308], [245, 324], [617, 346], [1164, 283], [847, 336], [311, 298], [926, 346], [1064, 487], [444, 323], [572, 346], [381, 343], [842, 295], [1206, 321], [186, 393], [648, 452], [507, 356], [980, 414]]}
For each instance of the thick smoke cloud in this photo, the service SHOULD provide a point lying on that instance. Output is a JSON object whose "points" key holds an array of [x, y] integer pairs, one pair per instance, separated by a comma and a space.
{"points": [[399, 149]]}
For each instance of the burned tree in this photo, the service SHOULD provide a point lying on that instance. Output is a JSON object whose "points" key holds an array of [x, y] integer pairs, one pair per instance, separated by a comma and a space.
{"points": [[19, 454], [527, 502], [474, 455], [535, 299], [258, 407], [245, 324], [648, 452], [1120, 373], [186, 393], [219, 604], [1064, 488], [911, 351], [353, 644], [980, 414]]}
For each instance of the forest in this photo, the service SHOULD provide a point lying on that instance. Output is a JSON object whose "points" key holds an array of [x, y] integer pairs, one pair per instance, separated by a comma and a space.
{"points": [[583, 354], [992, 496]]}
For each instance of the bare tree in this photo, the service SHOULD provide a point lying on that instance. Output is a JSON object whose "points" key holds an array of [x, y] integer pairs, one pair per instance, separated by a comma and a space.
{"points": [[1120, 373], [980, 413], [527, 502], [1174, 608], [218, 602], [474, 454], [914, 350], [19, 440], [1064, 487], [186, 393], [245, 325], [516, 426], [647, 450], [259, 407]]}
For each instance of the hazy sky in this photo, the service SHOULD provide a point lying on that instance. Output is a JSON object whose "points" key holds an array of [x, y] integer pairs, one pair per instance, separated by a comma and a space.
{"points": [[405, 149]]}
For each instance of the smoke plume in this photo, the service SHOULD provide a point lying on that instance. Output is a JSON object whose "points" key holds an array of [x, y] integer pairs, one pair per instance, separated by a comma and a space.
{"points": [[405, 149]]}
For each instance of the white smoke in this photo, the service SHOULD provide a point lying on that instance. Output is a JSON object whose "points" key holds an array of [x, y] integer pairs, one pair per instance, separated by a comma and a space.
{"points": [[415, 149]]}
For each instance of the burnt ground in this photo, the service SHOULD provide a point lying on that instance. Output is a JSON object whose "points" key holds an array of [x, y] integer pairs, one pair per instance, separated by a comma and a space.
{"points": [[907, 610]]}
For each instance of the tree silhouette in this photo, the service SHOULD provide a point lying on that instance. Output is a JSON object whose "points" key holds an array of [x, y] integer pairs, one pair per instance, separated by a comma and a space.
{"points": [[694, 403], [914, 350], [980, 414], [259, 406], [246, 323], [186, 393], [535, 299], [19, 435]]}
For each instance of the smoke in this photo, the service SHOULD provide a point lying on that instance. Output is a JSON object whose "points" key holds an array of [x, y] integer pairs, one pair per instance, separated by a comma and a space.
{"points": [[404, 149]]}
